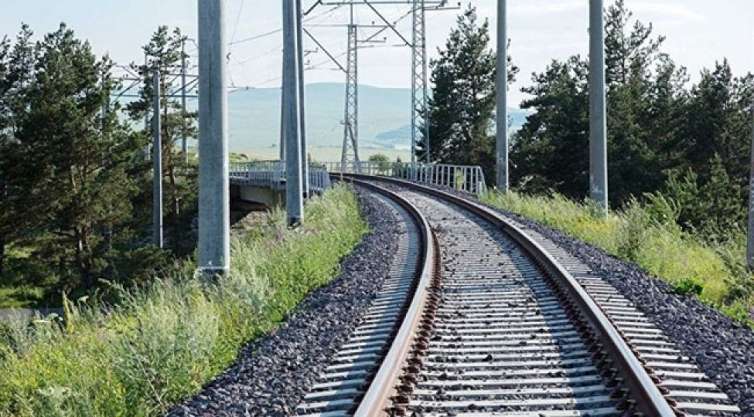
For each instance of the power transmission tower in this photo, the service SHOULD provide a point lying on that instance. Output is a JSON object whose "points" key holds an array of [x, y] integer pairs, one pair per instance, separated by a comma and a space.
{"points": [[351, 118], [419, 107]]}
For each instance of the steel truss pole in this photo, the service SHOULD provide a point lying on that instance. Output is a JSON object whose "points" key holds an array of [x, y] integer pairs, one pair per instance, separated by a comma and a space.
{"points": [[419, 107], [501, 89], [291, 113], [157, 236], [597, 108], [350, 152], [214, 185]]}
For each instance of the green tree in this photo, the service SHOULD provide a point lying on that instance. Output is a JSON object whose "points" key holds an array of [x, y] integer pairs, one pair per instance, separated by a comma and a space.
{"points": [[165, 51], [382, 161], [645, 98], [71, 159], [462, 104], [16, 73], [551, 149]]}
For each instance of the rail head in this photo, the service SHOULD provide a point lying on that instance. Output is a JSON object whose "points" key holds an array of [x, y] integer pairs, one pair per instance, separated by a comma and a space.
{"points": [[648, 398], [376, 399]]}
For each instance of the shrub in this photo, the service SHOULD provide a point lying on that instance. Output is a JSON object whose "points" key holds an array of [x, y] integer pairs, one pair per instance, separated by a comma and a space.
{"points": [[161, 343]]}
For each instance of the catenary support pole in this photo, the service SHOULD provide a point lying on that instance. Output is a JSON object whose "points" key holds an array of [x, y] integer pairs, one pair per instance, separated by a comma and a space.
{"points": [[750, 234], [184, 145], [294, 184], [147, 151], [301, 95], [597, 109], [214, 192], [502, 97], [157, 237]]}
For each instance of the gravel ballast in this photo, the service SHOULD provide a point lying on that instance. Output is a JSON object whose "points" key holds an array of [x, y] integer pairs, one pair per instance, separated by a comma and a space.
{"points": [[721, 347], [272, 374]]}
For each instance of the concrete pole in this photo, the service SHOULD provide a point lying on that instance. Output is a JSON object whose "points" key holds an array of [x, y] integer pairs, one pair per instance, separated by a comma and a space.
{"points": [[502, 97], [214, 186], [750, 234], [157, 237], [597, 108], [184, 145], [147, 151], [294, 184], [302, 95]]}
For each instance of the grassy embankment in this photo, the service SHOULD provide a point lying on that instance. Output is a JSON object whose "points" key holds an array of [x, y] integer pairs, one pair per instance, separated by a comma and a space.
{"points": [[649, 236], [161, 344]]}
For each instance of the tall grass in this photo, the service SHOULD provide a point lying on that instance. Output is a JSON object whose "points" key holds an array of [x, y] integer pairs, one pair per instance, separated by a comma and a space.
{"points": [[648, 235], [162, 343]]}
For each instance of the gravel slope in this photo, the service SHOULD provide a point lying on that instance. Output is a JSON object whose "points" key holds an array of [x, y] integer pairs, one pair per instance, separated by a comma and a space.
{"points": [[722, 348], [271, 375]]}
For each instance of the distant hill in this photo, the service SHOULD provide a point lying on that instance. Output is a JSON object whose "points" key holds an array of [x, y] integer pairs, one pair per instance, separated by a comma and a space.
{"points": [[254, 117]]}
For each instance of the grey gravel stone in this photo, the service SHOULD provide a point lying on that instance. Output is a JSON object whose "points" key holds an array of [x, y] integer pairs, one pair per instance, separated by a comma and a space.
{"points": [[721, 347], [271, 375]]}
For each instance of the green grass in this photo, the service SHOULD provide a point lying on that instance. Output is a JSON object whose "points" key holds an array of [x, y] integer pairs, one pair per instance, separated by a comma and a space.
{"points": [[161, 344], [644, 234]]}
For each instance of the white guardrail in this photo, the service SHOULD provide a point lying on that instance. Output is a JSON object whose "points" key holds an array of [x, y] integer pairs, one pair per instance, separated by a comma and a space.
{"points": [[464, 178], [271, 174]]}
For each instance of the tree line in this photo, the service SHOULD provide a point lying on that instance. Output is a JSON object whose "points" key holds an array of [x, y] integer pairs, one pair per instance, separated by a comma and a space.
{"points": [[687, 143], [75, 179]]}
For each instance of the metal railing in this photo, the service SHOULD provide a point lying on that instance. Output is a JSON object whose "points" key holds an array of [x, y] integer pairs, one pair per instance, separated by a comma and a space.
{"points": [[271, 174], [464, 178]]}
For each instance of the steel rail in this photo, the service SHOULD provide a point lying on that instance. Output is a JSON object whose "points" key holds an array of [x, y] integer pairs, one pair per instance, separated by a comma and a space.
{"points": [[642, 390], [376, 398]]}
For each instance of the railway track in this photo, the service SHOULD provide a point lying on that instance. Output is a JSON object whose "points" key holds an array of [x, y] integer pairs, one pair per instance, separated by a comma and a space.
{"points": [[481, 317]]}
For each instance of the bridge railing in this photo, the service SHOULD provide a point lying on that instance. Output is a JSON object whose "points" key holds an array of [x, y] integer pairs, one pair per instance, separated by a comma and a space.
{"points": [[464, 178], [271, 174]]}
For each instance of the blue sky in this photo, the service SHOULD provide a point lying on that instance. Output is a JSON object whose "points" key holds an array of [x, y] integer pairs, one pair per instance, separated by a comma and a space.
{"points": [[699, 32]]}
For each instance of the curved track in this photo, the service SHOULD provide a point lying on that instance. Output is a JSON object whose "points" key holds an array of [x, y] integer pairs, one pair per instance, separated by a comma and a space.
{"points": [[486, 321]]}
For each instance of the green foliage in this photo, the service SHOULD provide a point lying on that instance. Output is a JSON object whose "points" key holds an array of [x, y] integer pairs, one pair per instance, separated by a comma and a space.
{"points": [[162, 342], [78, 211], [382, 161], [461, 108], [165, 51], [689, 144], [647, 234]]}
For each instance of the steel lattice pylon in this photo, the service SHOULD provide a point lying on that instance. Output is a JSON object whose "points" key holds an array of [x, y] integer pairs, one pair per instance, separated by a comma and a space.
{"points": [[351, 119], [419, 107]]}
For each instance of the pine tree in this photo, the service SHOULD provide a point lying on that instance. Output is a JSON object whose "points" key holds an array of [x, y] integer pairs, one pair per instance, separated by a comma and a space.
{"points": [[165, 51], [16, 72], [462, 103], [644, 96], [71, 159]]}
